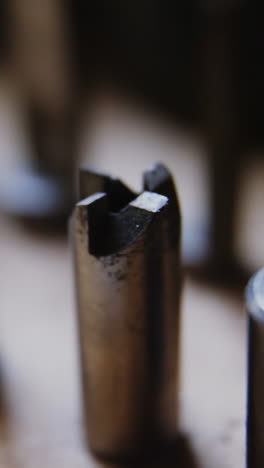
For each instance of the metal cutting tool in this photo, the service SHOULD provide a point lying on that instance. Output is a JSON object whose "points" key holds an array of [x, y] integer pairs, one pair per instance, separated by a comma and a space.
{"points": [[128, 286]]}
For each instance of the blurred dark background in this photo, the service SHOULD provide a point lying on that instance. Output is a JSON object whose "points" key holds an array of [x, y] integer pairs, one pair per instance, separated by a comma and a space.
{"points": [[195, 67]]}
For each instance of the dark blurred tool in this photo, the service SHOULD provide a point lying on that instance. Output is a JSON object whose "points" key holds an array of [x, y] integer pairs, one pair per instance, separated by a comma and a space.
{"points": [[128, 278], [4, 39], [43, 66], [221, 120], [255, 411]]}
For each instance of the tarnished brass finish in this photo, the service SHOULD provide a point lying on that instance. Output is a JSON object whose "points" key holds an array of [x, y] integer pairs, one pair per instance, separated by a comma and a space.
{"points": [[128, 281], [255, 404]]}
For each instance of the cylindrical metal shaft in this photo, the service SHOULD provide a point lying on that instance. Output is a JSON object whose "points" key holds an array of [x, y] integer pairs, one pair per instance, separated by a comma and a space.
{"points": [[128, 290], [255, 403]]}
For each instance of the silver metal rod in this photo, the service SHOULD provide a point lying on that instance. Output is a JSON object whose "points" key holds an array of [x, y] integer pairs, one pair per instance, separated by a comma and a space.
{"points": [[255, 403]]}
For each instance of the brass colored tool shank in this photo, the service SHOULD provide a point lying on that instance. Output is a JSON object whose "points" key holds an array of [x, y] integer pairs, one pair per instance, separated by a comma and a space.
{"points": [[128, 281]]}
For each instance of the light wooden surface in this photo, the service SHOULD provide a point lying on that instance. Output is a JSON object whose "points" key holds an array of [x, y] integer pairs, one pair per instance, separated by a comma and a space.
{"points": [[41, 422]]}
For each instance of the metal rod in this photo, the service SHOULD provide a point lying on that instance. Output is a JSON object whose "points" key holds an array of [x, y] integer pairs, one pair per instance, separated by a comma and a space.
{"points": [[128, 280], [255, 397]]}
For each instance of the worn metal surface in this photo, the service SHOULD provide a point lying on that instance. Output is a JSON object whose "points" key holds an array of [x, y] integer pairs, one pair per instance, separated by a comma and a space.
{"points": [[128, 281], [255, 408]]}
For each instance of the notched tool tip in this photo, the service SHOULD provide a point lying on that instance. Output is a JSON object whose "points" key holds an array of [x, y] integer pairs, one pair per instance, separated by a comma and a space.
{"points": [[112, 232], [123, 216]]}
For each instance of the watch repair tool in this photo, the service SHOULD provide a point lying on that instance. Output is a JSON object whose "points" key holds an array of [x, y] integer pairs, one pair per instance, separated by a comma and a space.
{"points": [[255, 394], [128, 282]]}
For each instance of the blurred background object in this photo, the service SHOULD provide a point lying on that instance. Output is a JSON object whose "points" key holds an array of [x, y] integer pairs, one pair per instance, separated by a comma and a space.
{"points": [[189, 65], [42, 74]]}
